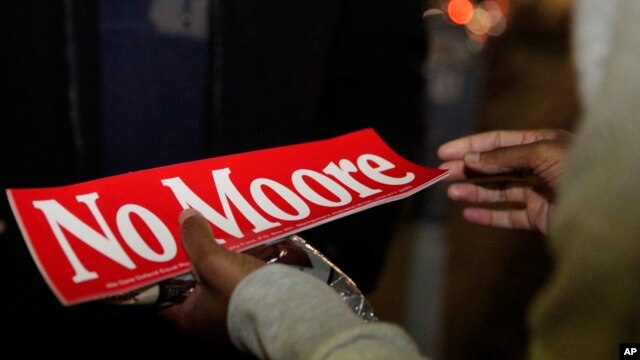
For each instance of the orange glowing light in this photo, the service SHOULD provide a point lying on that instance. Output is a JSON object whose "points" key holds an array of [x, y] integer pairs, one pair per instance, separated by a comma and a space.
{"points": [[460, 11]]}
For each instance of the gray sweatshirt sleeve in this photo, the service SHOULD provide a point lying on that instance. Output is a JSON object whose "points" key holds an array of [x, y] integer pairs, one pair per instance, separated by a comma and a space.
{"points": [[279, 312]]}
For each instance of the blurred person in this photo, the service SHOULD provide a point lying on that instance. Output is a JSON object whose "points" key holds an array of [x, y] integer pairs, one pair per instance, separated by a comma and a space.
{"points": [[97, 88], [589, 306]]}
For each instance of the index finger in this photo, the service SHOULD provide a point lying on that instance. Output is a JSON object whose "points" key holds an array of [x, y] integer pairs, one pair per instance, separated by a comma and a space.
{"points": [[490, 140]]}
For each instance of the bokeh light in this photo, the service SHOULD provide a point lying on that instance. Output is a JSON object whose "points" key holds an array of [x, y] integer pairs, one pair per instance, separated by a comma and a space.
{"points": [[487, 18], [460, 11]]}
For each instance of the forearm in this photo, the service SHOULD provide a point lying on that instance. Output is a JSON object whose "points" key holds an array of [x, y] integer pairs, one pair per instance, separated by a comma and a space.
{"points": [[281, 313]]}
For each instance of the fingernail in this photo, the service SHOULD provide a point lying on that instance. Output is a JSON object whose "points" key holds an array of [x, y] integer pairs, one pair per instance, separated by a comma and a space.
{"points": [[472, 157], [185, 214], [454, 192]]}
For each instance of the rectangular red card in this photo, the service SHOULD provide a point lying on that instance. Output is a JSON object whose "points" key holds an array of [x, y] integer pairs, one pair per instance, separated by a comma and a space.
{"points": [[108, 236]]}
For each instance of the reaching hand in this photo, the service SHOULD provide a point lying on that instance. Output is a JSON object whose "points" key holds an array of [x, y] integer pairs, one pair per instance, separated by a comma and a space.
{"points": [[217, 271], [540, 153]]}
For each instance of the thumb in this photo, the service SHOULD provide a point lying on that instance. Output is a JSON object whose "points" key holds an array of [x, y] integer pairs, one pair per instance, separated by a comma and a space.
{"points": [[503, 160], [197, 240], [213, 266]]}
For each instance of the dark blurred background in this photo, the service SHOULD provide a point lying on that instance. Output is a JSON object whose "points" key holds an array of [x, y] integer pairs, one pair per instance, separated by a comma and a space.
{"points": [[462, 291]]}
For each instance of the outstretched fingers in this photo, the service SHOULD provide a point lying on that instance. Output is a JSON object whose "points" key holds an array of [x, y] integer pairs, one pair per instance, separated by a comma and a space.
{"points": [[490, 140], [473, 193], [504, 219]]}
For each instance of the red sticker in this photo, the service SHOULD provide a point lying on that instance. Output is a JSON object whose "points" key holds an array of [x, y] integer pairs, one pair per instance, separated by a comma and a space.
{"points": [[107, 236]]}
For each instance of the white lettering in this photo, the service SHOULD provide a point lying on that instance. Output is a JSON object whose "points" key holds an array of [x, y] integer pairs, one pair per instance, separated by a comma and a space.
{"points": [[375, 173], [342, 173], [226, 192], [157, 227], [107, 244], [305, 190], [309, 185], [301, 208]]}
